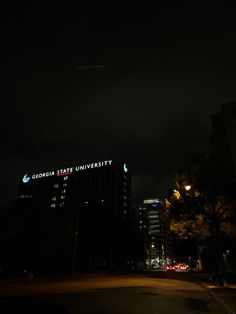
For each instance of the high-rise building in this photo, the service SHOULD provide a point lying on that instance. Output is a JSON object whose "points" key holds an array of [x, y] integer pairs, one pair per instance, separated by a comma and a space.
{"points": [[223, 140], [76, 218], [153, 226]]}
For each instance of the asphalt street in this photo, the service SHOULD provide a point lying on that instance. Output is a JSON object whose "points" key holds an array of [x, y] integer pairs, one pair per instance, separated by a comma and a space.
{"points": [[104, 294]]}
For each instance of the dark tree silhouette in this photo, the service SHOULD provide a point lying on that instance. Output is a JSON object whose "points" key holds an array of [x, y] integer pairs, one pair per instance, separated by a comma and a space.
{"points": [[200, 208]]}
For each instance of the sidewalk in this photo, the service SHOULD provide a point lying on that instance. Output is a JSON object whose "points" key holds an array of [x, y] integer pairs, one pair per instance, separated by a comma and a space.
{"points": [[226, 297]]}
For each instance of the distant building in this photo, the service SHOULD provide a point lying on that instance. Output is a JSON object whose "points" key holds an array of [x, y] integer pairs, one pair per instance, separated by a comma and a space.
{"points": [[223, 140], [76, 218], [157, 242]]}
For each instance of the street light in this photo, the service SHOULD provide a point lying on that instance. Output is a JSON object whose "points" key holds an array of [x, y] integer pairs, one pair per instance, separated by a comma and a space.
{"points": [[187, 187]]}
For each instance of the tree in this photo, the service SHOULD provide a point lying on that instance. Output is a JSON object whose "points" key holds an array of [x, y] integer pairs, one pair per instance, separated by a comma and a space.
{"points": [[200, 208]]}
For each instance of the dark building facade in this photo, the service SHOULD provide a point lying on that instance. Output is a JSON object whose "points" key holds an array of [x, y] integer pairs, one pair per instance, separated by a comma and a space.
{"points": [[223, 140], [77, 218]]}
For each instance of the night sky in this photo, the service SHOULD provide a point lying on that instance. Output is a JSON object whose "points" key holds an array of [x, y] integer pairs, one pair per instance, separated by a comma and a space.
{"points": [[94, 82]]}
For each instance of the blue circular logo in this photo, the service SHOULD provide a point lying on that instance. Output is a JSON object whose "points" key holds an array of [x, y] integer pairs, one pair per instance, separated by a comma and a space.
{"points": [[125, 168], [25, 178]]}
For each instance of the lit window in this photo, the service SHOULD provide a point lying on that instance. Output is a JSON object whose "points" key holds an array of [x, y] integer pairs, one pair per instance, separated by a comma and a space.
{"points": [[63, 191], [26, 196], [153, 212], [153, 216], [125, 212], [125, 197], [153, 227], [61, 204], [86, 202], [55, 185], [64, 184], [125, 204], [53, 205], [54, 198], [65, 178], [155, 221], [153, 231], [63, 197]]}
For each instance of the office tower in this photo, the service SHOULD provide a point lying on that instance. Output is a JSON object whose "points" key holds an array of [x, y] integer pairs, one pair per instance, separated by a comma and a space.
{"points": [[76, 218]]}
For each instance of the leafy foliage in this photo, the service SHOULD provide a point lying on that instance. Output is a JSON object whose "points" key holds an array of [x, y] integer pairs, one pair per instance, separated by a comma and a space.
{"points": [[203, 211], [191, 228], [202, 208]]}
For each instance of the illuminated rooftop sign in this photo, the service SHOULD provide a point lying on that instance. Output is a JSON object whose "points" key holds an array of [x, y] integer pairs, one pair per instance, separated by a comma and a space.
{"points": [[125, 168], [25, 178], [66, 171], [151, 201]]}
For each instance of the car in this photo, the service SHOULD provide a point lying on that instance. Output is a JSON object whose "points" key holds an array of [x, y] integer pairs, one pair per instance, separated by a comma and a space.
{"points": [[182, 267], [170, 267]]}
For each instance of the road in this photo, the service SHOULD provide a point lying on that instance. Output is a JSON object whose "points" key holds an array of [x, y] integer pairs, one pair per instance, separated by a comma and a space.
{"points": [[104, 294]]}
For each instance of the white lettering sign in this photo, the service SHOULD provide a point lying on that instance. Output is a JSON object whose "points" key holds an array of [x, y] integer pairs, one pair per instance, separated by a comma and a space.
{"points": [[67, 171]]}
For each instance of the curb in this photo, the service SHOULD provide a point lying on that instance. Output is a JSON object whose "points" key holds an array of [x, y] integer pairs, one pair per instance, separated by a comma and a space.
{"points": [[227, 309]]}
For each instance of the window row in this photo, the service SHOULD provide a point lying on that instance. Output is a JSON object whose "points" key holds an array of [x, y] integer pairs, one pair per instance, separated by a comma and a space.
{"points": [[53, 205], [57, 185]]}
